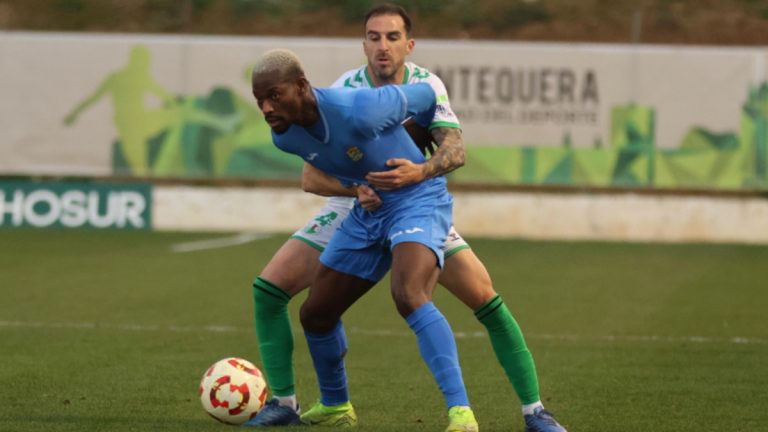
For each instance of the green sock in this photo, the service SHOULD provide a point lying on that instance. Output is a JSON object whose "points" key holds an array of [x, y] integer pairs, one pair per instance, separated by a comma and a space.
{"points": [[273, 328], [509, 344]]}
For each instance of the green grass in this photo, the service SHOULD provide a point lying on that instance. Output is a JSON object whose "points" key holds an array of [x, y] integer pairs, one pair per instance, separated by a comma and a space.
{"points": [[111, 331]]}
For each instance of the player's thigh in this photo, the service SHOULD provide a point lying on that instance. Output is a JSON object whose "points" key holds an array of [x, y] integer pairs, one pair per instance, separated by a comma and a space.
{"points": [[293, 266], [356, 248], [331, 294], [465, 276], [413, 276]]}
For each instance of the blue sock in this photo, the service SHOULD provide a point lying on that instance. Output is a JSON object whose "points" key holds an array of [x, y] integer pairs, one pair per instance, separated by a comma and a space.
{"points": [[438, 349], [328, 352]]}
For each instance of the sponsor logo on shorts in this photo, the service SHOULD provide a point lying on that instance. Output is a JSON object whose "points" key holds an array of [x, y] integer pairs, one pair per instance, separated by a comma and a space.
{"points": [[453, 240], [321, 222], [454, 236]]}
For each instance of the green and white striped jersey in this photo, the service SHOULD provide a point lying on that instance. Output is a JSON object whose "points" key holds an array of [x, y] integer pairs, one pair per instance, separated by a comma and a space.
{"points": [[444, 115]]}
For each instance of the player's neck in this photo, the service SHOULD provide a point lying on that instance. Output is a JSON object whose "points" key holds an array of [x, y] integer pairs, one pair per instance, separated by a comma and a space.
{"points": [[378, 81], [309, 111]]}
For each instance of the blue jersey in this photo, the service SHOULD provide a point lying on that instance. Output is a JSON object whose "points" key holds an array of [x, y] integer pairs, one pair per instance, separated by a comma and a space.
{"points": [[359, 130]]}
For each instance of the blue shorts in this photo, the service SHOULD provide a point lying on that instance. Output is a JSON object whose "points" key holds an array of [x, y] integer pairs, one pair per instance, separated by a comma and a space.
{"points": [[362, 246]]}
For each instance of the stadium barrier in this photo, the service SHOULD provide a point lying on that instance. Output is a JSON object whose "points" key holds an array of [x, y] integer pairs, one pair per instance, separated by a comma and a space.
{"points": [[648, 143], [608, 216]]}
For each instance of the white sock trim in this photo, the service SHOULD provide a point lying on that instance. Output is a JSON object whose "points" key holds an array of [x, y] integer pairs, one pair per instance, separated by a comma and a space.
{"points": [[288, 401], [530, 408]]}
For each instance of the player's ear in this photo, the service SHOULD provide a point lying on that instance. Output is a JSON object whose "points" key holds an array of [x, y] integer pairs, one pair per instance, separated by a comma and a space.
{"points": [[411, 43], [303, 84]]}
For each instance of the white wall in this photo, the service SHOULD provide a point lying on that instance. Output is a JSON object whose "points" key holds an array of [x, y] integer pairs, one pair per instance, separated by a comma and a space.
{"points": [[530, 215]]}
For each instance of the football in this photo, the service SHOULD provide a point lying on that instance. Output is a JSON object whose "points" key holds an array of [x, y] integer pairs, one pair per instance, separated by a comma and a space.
{"points": [[233, 390]]}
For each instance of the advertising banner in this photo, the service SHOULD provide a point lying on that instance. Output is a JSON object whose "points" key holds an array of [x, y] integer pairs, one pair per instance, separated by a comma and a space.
{"points": [[532, 114], [75, 205]]}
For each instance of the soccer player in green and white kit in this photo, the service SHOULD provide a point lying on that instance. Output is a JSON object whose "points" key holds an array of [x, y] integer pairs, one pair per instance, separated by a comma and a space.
{"points": [[387, 43]]}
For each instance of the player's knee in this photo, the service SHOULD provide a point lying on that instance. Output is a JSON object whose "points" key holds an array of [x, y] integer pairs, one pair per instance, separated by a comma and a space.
{"points": [[288, 283], [485, 286], [316, 320], [407, 302], [268, 296]]}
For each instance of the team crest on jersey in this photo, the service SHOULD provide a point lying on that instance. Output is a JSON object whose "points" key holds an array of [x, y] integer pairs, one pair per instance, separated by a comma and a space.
{"points": [[354, 153]]}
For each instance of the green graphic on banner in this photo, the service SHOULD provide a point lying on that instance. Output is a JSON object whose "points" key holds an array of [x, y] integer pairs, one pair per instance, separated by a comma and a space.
{"points": [[704, 159], [75, 205], [218, 135], [223, 135]]}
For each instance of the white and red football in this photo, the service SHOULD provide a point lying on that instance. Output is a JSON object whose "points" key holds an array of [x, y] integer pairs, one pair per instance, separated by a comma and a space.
{"points": [[233, 390]]}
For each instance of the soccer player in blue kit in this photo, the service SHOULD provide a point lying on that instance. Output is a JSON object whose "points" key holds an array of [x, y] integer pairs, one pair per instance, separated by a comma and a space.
{"points": [[387, 44], [348, 133]]}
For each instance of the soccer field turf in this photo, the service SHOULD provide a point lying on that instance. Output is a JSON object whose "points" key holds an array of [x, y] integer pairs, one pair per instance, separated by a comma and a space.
{"points": [[111, 331]]}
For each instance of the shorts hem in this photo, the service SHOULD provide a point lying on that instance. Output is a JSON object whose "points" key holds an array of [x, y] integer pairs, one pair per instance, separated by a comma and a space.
{"points": [[449, 253], [308, 242], [341, 269]]}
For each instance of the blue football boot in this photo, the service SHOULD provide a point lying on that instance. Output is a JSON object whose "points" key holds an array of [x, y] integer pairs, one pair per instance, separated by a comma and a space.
{"points": [[274, 414], [542, 421]]}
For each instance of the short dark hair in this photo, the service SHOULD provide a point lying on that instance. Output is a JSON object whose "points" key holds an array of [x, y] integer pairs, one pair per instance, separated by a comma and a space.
{"points": [[389, 9]]}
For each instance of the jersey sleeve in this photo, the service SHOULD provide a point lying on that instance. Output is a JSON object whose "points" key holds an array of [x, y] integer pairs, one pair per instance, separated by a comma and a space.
{"points": [[340, 81], [443, 115], [384, 107]]}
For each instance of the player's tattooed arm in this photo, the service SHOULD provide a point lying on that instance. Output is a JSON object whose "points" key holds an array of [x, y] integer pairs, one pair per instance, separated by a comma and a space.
{"points": [[403, 172], [450, 153]]}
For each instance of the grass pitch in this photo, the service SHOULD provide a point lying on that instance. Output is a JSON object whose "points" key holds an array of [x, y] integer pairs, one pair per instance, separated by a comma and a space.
{"points": [[111, 331]]}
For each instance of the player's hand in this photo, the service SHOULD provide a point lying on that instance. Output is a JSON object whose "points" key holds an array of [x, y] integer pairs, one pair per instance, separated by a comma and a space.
{"points": [[368, 198], [403, 173]]}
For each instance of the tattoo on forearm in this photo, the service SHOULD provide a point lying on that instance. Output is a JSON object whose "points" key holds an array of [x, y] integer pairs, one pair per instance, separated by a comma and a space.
{"points": [[449, 154]]}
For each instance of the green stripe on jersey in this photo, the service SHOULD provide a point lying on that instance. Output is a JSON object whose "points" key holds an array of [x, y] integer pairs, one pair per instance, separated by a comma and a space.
{"points": [[368, 77]]}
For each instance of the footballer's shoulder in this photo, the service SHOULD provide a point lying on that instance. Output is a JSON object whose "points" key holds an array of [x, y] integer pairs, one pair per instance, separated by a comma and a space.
{"points": [[417, 73], [353, 78]]}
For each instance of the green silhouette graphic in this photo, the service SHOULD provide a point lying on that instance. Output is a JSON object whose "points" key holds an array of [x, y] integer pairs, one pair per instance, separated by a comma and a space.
{"points": [[151, 140], [224, 135], [134, 121]]}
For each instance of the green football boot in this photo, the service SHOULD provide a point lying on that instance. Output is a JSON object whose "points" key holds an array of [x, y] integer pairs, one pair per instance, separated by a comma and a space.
{"points": [[462, 419], [342, 415]]}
